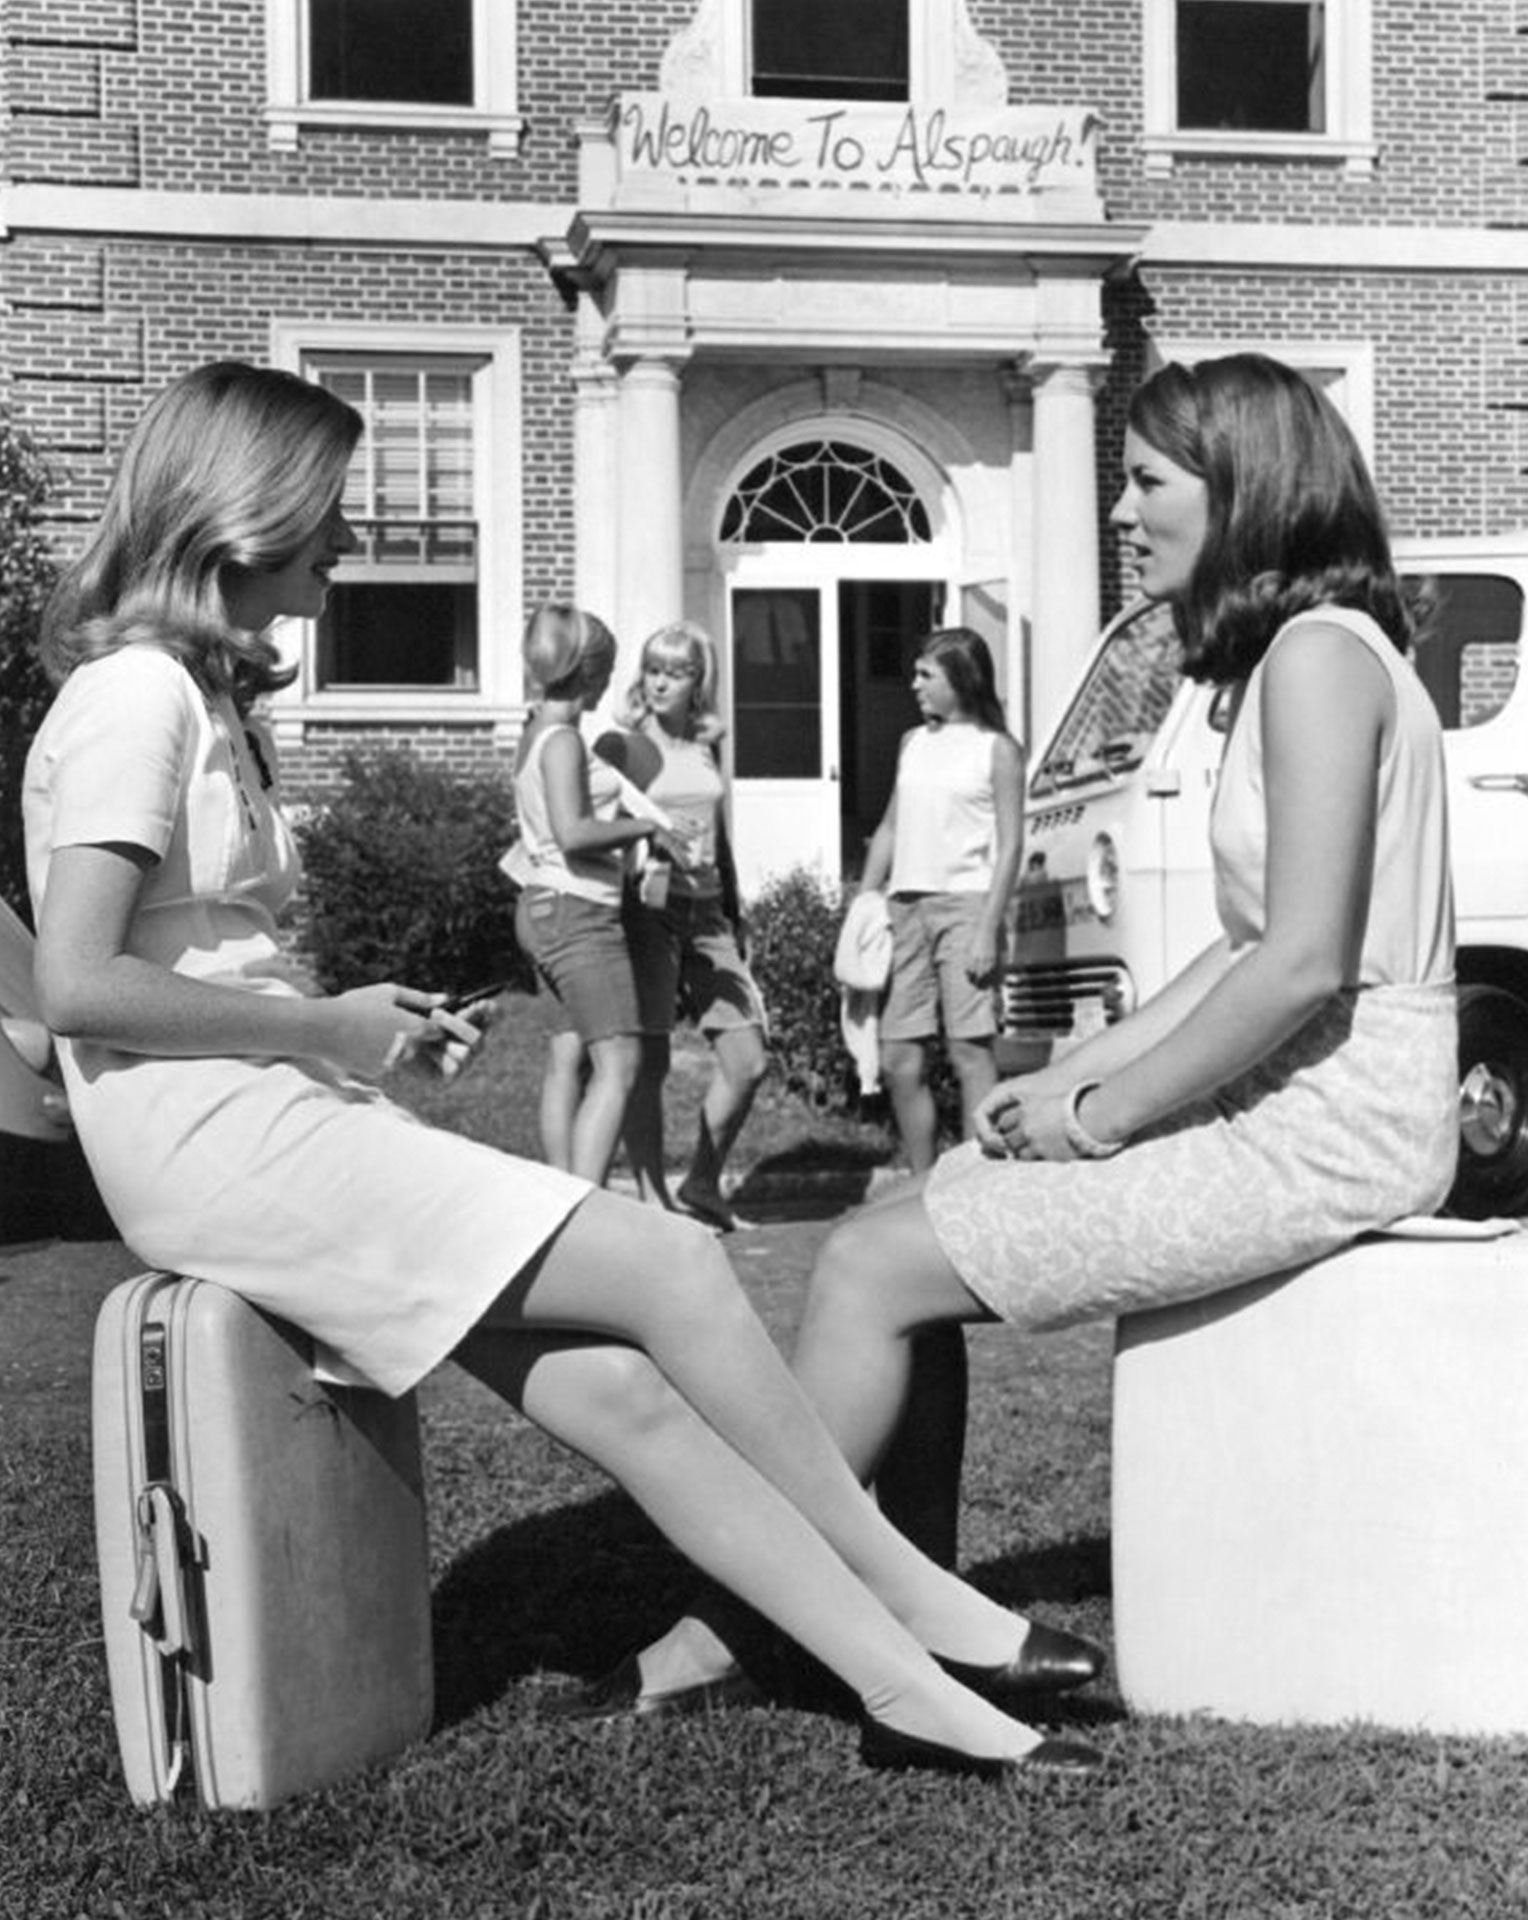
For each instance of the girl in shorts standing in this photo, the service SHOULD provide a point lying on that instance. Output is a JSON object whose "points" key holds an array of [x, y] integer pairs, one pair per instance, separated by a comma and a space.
{"points": [[947, 853], [572, 858]]}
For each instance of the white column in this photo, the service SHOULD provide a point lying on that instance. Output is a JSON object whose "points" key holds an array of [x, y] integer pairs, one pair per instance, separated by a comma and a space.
{"points": [[650, 532], [1021, 556], [1066, 576], [595, 489]]}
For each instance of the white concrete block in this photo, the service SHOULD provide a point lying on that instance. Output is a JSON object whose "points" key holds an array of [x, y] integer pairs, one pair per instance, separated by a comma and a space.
{"points": [[1320, 1493]]}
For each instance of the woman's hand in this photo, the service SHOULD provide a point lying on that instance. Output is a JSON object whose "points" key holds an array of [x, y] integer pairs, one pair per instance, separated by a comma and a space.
{"points": [[675, 845], [983, 957], [1025, 1119], [370, 1029]]}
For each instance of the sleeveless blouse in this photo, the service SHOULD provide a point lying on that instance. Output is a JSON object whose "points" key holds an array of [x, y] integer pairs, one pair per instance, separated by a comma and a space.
{"points": [[542, 863], [946, 837], [1409, 937]]}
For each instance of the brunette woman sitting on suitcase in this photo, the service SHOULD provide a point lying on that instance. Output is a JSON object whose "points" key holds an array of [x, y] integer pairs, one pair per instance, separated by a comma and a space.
{"points": [[232, 1124]]}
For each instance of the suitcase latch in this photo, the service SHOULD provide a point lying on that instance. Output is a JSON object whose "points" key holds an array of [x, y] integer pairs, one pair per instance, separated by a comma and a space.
{"points": [[159, 1594]]}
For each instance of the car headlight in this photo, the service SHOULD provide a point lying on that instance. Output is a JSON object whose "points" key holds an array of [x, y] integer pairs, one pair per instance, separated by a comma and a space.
{"points": [[1103, 876]]}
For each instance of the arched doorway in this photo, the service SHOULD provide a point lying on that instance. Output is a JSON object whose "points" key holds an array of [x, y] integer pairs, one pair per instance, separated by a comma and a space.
{"points": [[836, 564]]}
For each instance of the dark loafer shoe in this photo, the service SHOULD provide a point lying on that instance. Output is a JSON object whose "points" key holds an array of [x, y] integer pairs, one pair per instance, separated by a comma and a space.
{"points": [[883, 1747], [619, 1696], [1049, 1662]]}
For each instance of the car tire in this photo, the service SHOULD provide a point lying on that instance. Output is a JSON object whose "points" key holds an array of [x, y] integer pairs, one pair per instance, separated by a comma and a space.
{"points": [[1493, 1105]]}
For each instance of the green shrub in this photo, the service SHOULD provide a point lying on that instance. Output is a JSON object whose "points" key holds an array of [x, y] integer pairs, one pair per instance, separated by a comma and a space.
{"points": [[792, 930], [27, 573], [402, 878]]}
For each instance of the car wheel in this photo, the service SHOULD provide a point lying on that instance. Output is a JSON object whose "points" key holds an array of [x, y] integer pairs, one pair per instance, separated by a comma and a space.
{"points": [[1493, 1105]]}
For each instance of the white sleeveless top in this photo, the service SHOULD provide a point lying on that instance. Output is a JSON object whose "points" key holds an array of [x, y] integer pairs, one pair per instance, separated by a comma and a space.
{"points": [[946, 838], [592, 876], [1409, 938]]}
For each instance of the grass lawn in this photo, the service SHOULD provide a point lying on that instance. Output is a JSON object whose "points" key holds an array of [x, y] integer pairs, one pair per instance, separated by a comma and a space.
{"points": [[541, 1571], [495, 1100]]}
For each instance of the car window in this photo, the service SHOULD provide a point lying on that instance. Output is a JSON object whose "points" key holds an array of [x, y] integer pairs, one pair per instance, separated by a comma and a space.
{"points": [[1119, 707], [1467, 655]]}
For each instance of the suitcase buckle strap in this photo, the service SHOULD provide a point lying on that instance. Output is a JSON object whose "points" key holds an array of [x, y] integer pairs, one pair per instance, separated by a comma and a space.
{"points": [[159, 1592], [159, 1606]]}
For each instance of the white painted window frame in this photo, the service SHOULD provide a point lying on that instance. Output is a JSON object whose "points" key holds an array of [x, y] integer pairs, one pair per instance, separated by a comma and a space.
{"points": [[499, 508], [1349, 136], [936, 29], [1345, 368], [494, 111]]}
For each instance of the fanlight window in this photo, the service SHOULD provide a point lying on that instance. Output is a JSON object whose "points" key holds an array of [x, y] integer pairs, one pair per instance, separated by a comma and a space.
{"points": [[825, 491]]}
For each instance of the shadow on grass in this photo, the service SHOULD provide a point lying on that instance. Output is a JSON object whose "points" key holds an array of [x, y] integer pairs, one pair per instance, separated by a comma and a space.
{"points": [[812, 1171], [1071, 1571], [569, 1593]]}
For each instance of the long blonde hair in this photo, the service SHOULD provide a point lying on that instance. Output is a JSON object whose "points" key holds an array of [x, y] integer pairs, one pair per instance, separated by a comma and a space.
{"points": [[230, 469], [681, 642]]}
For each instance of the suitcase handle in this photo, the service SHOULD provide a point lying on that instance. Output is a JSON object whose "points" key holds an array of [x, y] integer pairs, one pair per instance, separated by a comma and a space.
{"points": [[159, 1589]]}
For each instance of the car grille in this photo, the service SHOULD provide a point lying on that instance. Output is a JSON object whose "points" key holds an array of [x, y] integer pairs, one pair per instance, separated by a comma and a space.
{"points": [[1065, 997]]}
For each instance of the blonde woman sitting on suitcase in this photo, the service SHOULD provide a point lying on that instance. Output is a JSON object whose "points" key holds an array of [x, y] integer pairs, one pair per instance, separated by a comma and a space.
{"points": [[234, 1128]]}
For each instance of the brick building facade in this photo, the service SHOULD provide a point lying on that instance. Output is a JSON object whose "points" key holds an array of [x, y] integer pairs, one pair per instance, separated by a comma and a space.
{"points": [[816, 333]]}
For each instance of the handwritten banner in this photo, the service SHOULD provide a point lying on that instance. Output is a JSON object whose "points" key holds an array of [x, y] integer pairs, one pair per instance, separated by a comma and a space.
{"points": [[763, 143]]}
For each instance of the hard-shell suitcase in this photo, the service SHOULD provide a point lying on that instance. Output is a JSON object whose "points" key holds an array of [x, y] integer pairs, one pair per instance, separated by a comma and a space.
{"points": [[261, 1539]]}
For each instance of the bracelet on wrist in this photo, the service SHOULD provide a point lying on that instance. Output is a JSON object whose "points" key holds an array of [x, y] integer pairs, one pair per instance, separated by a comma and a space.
{"points": [[1085, 1145]]}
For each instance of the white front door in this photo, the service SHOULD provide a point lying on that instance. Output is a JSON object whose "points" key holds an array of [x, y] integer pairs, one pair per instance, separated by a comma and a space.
{"points": [[784, 731]]}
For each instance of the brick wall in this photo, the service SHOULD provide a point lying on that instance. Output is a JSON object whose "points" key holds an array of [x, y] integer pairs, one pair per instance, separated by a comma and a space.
{"points": [[314, 770], [1448, 134], [1448, 458], [95, 327], [166, 96]]}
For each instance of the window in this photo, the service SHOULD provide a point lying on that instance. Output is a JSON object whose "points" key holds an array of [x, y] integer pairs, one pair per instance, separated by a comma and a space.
{"points": [[1343, 369], [825, 491], [925, 51], [777, 683], [437, 65], [1467, 659], [1285, 78], [390, 50], [851, 50], [423, 620], [1257, 63], [1116, 714], [403, 609]]}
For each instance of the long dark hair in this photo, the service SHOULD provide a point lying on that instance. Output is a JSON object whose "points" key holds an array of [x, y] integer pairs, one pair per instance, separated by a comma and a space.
{"points": [[965, 660], [1294, 521]]}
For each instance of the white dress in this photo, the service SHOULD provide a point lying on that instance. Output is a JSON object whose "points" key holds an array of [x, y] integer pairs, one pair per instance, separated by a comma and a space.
{"points": [[310, 1194], [1349, 1125]]}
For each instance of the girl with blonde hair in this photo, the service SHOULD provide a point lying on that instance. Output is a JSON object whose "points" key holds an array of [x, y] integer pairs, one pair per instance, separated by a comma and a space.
{"points": [[235, 1133], [571, 859], [686, 936]]}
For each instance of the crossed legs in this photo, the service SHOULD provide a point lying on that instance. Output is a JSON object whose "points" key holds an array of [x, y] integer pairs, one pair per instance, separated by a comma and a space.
{"points": [[880, 1354], [655, 1367]]}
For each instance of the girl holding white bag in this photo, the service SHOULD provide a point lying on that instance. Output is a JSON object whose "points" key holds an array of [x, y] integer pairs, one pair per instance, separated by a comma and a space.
{"points": [[571, 857]]}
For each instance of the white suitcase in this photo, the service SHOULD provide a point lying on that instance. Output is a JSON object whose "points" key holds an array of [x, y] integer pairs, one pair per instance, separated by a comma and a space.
{"points": [[261, 1540]]}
